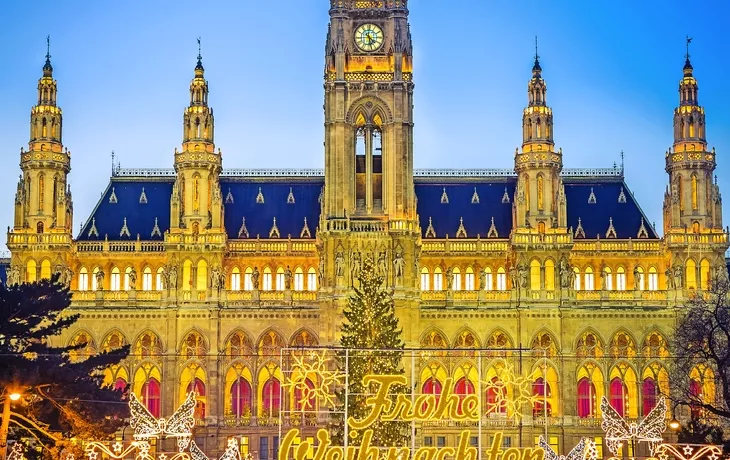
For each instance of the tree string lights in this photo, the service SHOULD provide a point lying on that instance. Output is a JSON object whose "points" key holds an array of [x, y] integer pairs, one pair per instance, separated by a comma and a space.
{"points": [[619, 430], [316, 369]]}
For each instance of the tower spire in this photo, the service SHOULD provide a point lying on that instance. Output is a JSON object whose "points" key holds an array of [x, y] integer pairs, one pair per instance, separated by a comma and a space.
{"points": [[687, 64], [47, 67], [199, 66], [536, 69]]}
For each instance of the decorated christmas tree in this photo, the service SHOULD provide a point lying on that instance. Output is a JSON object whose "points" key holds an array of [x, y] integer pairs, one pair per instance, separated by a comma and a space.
{"points": [[373, 340]]}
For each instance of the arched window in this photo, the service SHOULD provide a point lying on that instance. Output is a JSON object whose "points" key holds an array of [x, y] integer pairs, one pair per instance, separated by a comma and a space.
{"points": [[588, 279], [544, 346], [248, 279], [198, 387], [147, 346], [280, 279], [655, 346], [622, 346], [120, 384], [653, 279], [46, 269], [541, 389], [456, 279], [691, 274], [83, 279], [159, 286], [540, 191], [576, 280], [239, 346], [496, 397], [201, 283], [116, 279], [87, 350], [424, 279], [586, 398], [151, 396], [194, 346], [705, 274], [31, 272], [94, 284], [437, 279], [549, 275], [620, 279], [298, 279], [312, 279], [695, 393], [680, 193], [41, 188], [639, 278], [268, 282], [501, 279], [469, 279], [241, 397], [618, 396], [196, 191], [535, 275], [235, 279], [488, 279], [271, 397], [187, 275], [462, 388], [649, 395], [607, 279], [589, 346], [694, 192], [147, 279]]}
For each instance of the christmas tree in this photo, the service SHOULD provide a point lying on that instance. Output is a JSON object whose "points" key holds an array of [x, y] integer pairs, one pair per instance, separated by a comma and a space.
{"points": [[372, 339]]}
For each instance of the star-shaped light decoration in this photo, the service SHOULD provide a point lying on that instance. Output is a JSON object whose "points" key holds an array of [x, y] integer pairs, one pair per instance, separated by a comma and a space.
{"points": [[117, 447], [687, 450], [162, 457], [93, 455], [521, 386], [316, 368]]}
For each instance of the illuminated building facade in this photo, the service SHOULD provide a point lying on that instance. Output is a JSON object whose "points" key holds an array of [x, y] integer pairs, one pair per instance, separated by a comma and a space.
{"points": [[209, 272]]}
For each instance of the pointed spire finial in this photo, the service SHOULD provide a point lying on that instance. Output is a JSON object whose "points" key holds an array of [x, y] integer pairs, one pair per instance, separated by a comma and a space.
{"points": [[536, 68], [689, 40], [687, 65], [47, 67], [199, 66]]}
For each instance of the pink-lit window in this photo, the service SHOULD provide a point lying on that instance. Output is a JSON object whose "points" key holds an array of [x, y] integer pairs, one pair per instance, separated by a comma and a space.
{"points": [[120, 384], [271, 396], [618, 396], [432, 387], [463, 388], [586, 398], [241, 397], [496, 397], [299, 397], [151, 396], [695, 392], [198, 386], [648, 395], [541, 389]]}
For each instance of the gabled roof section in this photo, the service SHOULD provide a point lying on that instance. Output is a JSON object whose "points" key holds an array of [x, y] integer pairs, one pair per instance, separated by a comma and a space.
{"points": [[611, 206], [260, 201], [455, 204], [124, 199]]}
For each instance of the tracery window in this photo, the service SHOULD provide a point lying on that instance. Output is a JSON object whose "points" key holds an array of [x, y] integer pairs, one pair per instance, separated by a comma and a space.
{"points": [[271, 397], [239, 346], [462, 388], [589, 346], [299, 279], [241, 397], [622, 346], [150, 396], [87, 348], [304, 401], [543, 345], [198, 387], [424, 279], [194, 346], [649, 395], [235, 279], [586, 398], [469, 279], [83, 279], [496, 397], [147, 279], [312, 279], [434, 339], [619, 396], [655, 346], [148, 346]]}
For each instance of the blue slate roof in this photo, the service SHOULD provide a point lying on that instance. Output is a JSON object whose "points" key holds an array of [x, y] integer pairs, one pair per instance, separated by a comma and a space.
{"points": [[595, 217], [240, 201], [476, 214], [276, 204]]}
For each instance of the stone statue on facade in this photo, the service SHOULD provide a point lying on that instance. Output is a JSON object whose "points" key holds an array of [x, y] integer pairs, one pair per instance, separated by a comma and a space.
{"points": [[133, 279], [637, 276], [572, 276], [398, 265], [215, 278], [320, 275], [13, 275], [721, 274], [670, 278], [522, 274], [678, 276], [287, 278], [255, 278], [68, 276], [355, 263], [173, 276], [100, 279], [482, 279], [339, 263], [564, 271], [382, 266], [164, 277], [449, 278]]}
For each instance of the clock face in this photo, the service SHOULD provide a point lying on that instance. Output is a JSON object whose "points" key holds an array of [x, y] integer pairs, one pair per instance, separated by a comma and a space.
{"points": [[369, 37]]}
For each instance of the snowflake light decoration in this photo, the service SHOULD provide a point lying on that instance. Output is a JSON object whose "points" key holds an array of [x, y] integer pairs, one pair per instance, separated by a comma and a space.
{"points": [[688, 451], [521, 386], [648, 430], [584, 450], [316, 365]]}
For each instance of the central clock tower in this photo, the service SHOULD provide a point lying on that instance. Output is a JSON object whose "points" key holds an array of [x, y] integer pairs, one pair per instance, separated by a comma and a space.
{"points": [[369, 111]]}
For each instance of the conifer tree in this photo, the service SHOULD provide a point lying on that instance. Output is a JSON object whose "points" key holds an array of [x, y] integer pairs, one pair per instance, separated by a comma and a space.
{"points": [[62, 396], [373, 339]]}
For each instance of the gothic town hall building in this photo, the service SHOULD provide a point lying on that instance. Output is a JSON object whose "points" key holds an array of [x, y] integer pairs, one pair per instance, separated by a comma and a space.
{"points": [[208, 273]]}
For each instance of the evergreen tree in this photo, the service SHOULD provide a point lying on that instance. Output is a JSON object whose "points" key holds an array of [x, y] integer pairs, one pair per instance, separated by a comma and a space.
{"points": [[373, 339], [63, 397]]}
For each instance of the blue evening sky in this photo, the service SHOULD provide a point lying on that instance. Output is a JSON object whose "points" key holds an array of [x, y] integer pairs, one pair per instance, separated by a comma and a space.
{"points": [[123, 70]]}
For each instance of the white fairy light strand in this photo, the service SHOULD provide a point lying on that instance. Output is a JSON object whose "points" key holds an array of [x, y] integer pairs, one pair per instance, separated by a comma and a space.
{"points": [[619, 430]]}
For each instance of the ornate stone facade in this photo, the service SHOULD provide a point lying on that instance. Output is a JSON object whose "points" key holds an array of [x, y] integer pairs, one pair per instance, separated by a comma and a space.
{"points": [[209, 272]]}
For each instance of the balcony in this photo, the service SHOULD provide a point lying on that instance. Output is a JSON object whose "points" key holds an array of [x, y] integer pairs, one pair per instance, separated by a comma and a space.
{"points": [[257, 246]]}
